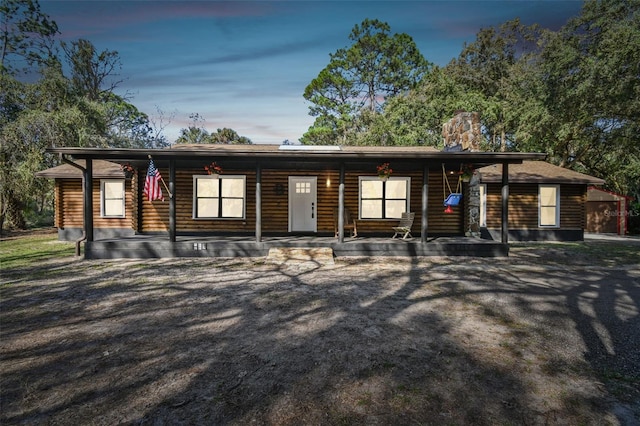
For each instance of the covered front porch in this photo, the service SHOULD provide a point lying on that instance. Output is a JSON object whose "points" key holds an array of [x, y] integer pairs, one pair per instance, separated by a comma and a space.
{"points": [[174, 229], [158, 246]]}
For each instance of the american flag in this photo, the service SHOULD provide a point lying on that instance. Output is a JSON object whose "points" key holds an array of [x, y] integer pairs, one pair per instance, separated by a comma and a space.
{"points": [[152, 183]]}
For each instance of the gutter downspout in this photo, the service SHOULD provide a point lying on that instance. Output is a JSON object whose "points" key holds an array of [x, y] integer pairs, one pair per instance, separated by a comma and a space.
{"points": [[83, 237]]}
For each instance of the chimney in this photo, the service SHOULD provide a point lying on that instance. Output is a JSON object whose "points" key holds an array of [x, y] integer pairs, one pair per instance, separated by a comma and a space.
{"points": [[462, 132]]}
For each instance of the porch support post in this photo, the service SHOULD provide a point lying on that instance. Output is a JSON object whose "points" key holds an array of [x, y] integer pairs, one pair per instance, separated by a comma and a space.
{"points": [[140, 178], [341, 205], [505, 203], [172, 200], [258, 202], [425, 204], [88, 199]]}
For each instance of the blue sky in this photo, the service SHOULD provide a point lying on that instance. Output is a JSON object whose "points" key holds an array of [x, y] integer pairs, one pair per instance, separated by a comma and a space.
{"points": [[245, 64]]}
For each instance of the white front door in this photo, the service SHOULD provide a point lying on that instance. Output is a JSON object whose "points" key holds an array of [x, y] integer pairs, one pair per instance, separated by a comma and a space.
{"points": [[303, 202]]}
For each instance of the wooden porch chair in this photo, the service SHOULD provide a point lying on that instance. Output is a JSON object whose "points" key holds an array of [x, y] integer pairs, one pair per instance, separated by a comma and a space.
{"points": [[404, 226], [349, 222]]}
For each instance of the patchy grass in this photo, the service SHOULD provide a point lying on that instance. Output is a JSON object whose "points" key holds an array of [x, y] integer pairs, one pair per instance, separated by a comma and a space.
{"points": [[594, 253], [32, 250]]}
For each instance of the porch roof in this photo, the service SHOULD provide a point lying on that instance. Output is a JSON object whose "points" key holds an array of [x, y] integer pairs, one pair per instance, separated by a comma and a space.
{"points": [[287, 155], [538, 172]]}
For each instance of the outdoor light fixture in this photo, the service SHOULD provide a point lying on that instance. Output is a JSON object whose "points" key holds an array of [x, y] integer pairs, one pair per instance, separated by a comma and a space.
{"points": [[328, 182], [448, 210]]}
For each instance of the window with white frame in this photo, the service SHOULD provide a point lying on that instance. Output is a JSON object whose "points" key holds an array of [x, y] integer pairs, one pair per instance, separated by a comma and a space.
{"points": [[548, 206], [112, 198], [219, 197], [384, 199]]}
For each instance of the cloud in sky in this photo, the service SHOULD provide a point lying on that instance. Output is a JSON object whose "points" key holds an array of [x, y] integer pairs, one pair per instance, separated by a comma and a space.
{"points": [[245, 64]]}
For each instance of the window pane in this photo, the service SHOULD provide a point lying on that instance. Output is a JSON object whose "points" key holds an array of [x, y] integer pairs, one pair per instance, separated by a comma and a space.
{"points": [[113, 207], [372, 208], [113, 189], [207, 207], [232, 208], [371, 189], [548, 216], [395, 208], [207, 188], [396, 189], [547, 196], [233, 188]]}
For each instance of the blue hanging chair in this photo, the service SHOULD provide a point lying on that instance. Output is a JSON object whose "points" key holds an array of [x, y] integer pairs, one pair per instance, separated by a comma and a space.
{"points": [[453, 199]]}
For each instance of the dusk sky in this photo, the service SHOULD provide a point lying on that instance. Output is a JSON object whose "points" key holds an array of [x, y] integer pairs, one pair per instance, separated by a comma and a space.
{"points": [[245, 65]]}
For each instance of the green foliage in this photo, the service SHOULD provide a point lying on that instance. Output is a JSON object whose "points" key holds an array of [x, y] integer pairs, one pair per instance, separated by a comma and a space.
{"points": [[54, 110], [573, 94], [485, 68], [92, 72], [26, 36], [197, 134], [577, 97], [417, 117]]}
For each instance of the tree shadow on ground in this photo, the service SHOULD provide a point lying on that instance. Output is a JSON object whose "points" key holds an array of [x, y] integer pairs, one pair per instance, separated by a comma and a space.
{"points": [[234, 342]]}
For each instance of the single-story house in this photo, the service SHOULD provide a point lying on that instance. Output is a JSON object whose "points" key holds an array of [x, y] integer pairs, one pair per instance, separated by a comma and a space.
{"points": [[297, 195], [607, 212]]}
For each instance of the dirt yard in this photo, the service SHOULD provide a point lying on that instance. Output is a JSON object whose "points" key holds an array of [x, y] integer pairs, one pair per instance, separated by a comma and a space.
{"points": [[547, 336]]}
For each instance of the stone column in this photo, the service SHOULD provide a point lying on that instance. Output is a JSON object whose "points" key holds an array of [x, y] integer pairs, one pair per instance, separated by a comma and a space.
{"points": [[473, 207]]}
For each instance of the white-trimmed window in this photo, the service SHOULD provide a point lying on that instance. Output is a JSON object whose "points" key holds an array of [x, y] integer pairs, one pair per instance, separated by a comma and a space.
{"points": [[219, 197], [383, 199], [549, 206], [112, 198]]}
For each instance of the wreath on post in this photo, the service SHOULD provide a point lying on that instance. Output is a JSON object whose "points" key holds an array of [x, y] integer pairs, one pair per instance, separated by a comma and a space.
{"points": [[128, 170]]}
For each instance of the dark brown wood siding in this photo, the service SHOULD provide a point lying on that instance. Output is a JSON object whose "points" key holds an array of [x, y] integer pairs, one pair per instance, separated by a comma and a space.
{"points": [[70, 203], [523, 206], [69, 206], [275, 200], [573, 209]]}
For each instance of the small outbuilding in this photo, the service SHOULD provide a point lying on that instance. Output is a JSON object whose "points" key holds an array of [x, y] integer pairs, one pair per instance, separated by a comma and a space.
{"points": [[546, 202], [607, 212]]}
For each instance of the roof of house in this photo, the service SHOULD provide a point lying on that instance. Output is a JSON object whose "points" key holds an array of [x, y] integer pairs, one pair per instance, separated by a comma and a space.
{"points": [[536, 171], [283, 149], [300, 153], [599, 194], [101, 170]]}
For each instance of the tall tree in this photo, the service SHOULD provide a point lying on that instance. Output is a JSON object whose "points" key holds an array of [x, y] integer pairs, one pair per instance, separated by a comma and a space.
{"points": [[228, 136], [197, 134], [484, 67], [579, 97], [417, 117], [94, 74], [26, 35], [375, 68]]}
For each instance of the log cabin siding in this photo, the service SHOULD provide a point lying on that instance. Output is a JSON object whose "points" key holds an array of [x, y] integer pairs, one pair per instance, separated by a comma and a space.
{"points": [[69, 206], [275, 202], [573, 200], [58, 217], [523, 206], [70, 203]]}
